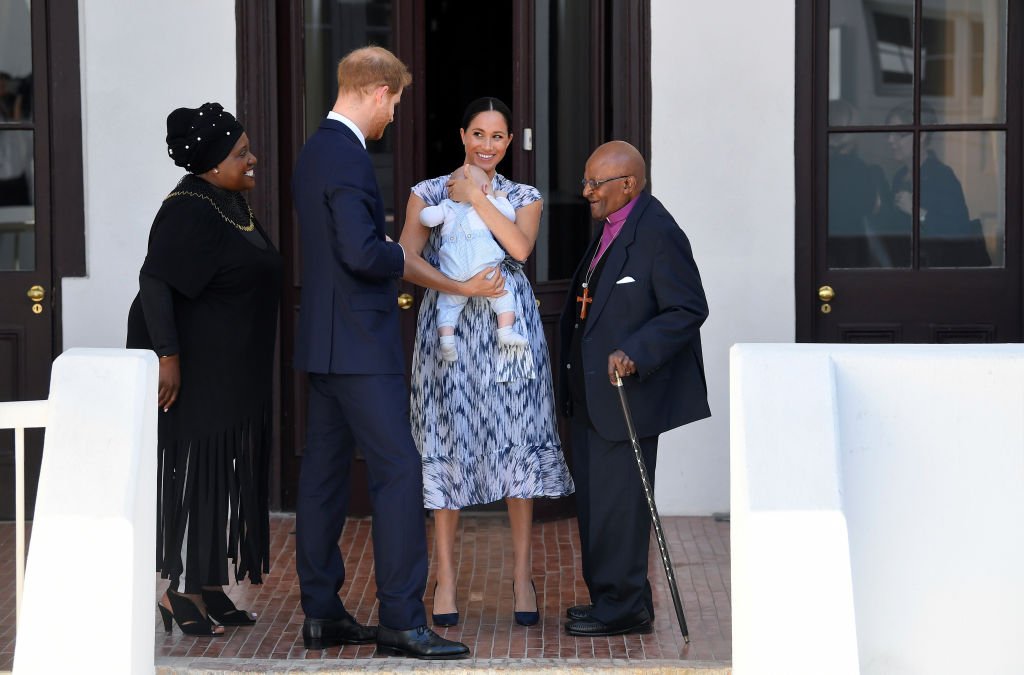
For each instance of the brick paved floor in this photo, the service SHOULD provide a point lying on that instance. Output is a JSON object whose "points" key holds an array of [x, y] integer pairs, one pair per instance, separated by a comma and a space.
{"points": [[699, 548]]}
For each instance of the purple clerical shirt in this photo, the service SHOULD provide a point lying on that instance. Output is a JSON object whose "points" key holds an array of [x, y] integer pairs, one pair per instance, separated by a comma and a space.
{"points": [[612, 226]]}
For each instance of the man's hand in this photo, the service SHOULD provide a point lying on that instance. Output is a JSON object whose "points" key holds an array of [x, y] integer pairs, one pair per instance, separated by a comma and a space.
{"points": [[488, 283], [619, 363], [169, 381]]}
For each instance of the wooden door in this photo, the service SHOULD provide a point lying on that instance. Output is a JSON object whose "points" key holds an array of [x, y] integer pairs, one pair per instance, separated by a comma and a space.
{"points": [[909, 171], [26, 282], [571, 85]]}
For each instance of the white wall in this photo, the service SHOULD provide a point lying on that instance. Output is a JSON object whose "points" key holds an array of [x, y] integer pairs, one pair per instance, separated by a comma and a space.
{"points": [[876, 508], [722, 163], [140, 60]]}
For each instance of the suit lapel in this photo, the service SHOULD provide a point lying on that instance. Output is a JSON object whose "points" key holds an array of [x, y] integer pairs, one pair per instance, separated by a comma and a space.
{"points": [[617, 255]]}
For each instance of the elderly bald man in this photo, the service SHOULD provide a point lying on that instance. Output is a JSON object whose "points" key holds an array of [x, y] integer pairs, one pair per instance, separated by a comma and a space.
{"points": [[635, 307]]}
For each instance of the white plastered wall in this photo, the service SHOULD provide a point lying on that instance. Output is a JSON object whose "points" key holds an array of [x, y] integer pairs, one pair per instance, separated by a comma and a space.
{"points": [[722, 162], [140, 59]]}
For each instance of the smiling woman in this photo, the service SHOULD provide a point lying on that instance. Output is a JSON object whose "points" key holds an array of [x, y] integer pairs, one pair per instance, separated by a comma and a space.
{"points": [[207, 305]]}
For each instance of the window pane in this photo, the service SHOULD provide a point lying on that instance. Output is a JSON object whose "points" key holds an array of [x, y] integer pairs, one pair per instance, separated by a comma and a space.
{"points": [[864, 224], [17, 213], [15, 61], [562, 142], [333, 29], [963, 200], [871, 58], [963, 60]]}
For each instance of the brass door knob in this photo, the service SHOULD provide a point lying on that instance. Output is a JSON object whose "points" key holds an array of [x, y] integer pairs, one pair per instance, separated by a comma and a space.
{"points": [[404, 301], [825, 294], [36, 293]]}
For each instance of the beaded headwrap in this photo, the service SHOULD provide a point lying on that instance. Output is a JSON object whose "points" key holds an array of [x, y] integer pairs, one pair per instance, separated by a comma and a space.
{"points": [[198, 139]]}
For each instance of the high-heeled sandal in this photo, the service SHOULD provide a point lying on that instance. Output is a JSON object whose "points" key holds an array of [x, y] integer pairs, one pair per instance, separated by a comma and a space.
{"points": [[525, 618], [223, 611], [445, 620], [186, 614]]}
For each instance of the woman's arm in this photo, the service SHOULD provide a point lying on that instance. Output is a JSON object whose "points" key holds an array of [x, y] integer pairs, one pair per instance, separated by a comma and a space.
{"points": [[420, 272], [517, 238]]}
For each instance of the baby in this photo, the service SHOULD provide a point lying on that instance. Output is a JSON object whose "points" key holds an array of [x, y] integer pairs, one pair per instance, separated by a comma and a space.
{"points": [[467, 247]]}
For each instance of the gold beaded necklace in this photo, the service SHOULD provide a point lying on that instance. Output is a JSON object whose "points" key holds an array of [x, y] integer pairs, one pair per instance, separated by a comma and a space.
{"points": [[188, 193]]}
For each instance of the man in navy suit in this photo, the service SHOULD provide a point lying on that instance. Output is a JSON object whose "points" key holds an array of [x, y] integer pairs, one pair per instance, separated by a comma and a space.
{"points": [[349, 342], [635, 308]]}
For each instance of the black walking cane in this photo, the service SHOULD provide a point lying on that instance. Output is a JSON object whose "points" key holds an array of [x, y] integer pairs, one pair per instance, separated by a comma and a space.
{"points": [[659, 534]]}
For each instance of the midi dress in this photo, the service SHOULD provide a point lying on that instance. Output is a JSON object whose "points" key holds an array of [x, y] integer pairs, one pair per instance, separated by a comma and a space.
{"points": [[485, 424]]}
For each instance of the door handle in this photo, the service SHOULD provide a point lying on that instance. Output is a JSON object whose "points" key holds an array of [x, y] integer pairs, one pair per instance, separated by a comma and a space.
{"points": [[36, 293], [404, 301], [825, 294]]}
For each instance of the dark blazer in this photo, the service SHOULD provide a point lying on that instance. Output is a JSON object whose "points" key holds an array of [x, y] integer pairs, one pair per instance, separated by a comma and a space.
{"points": [[655, 320], [348, 323]]}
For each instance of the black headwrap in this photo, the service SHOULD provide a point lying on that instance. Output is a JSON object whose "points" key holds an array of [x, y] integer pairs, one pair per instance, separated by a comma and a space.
{"points": [[198, 139]]}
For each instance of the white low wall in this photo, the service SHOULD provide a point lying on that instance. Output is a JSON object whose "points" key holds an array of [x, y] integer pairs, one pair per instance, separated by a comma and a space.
{"points": [[89, 581], [877, 504]]}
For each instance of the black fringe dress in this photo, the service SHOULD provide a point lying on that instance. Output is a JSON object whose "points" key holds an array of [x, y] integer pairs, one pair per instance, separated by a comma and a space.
{"points": [[209, 292]]}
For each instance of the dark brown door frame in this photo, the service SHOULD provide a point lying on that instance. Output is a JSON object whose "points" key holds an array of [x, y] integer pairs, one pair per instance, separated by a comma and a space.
{"points": [[270, 105]]}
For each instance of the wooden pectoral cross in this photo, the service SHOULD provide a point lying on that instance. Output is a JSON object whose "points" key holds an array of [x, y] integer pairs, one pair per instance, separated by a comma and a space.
{"points": [[584, 300]]}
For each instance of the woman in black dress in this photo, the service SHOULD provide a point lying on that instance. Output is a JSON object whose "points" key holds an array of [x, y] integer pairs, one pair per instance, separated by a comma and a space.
{"points": [[207, 305]]}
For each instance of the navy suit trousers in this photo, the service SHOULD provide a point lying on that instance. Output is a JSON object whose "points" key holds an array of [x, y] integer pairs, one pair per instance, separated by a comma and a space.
{"points": [[371, 412], [614, 521]]}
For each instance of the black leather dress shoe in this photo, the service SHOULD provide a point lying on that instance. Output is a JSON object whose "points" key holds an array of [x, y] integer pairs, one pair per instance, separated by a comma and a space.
{"points": [[419, 643], [590, 627], [322, 633], [579, 612]]}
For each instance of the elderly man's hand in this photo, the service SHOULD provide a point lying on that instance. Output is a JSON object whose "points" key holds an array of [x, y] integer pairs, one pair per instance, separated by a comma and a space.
{"points": [[619, 362]]}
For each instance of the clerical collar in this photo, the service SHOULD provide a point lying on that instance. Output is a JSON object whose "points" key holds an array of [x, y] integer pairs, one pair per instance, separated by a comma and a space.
{"points": [[618, 219], [338, 117]]}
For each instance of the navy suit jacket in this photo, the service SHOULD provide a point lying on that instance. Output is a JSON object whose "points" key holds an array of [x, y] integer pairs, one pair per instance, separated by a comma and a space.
{"points": [[348, 322], [655, 320]]}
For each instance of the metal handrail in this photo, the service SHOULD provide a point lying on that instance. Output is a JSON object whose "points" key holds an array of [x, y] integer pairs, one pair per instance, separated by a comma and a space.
{"points": [[21, 415]]}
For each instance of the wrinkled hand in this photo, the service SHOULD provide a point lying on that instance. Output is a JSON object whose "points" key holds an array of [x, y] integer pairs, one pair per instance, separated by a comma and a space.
{"points": [[904, 201], [488, 283], [170, 382], [462, 189], [619, 363]]}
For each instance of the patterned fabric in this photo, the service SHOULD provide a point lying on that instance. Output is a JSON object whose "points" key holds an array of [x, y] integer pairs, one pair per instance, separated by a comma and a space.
{"points": [[485, 424]]}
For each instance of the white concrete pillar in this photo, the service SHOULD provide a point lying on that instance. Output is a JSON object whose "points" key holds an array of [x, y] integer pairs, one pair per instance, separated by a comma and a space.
{"points": [[90, 582]]}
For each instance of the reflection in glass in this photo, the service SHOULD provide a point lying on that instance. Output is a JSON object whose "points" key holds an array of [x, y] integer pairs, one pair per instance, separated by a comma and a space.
{"points": [[333, 29], [871, 56], [15, 61], [962, 213], [963, 60], [861, 231], [562, 141], [17, 214]]}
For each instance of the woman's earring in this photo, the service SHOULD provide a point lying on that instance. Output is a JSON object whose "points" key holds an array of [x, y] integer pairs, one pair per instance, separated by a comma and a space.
{"points": [[216, 170]]}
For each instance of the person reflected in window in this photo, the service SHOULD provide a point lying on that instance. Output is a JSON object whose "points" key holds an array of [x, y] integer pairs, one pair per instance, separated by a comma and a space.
{"points": [[949, 238], [856, 192]]}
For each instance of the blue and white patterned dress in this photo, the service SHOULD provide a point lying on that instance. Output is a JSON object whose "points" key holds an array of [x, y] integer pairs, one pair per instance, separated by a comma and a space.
{"points": [[485, 424]]}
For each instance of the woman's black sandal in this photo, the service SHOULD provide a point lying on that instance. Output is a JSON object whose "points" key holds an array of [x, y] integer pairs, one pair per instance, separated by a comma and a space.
{"points": [[224, 612], [188, 617]]}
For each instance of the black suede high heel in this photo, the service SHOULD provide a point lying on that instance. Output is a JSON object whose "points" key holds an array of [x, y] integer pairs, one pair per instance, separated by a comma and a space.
{"points": [[525, 618], [223, 611], [445, 620], [186, 614]]}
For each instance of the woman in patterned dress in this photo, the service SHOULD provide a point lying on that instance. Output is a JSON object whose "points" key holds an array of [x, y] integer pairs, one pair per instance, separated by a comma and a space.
{"points": [[485, 424]]}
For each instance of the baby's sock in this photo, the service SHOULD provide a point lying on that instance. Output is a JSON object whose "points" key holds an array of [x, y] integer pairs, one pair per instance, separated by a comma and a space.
{"points": [[510, 338], [448, 352]]}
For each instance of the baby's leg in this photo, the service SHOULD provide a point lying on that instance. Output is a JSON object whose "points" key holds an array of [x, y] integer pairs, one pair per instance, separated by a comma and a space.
{"points": [[449, 307], [504, 307]]}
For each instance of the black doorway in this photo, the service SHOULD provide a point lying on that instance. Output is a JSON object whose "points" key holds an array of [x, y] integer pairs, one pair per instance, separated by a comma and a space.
{"points": [[469, 55]]}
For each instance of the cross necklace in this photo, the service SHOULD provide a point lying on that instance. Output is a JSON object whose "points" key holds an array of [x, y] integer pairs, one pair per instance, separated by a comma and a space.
{"points": [[585, 299]]}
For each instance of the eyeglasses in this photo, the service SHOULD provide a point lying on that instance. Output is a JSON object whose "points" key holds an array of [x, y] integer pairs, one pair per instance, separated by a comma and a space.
{"points": [[594, 184]]}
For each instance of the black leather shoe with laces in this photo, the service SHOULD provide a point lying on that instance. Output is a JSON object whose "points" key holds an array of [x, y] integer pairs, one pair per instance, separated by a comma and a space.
{"points": [[419, 643], [322, 633]]}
